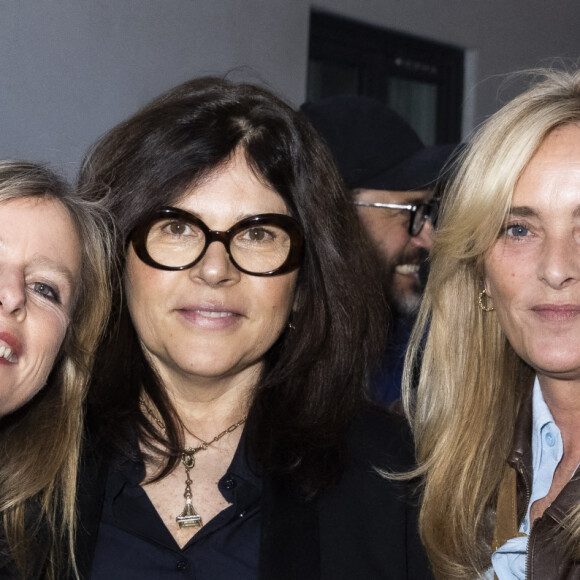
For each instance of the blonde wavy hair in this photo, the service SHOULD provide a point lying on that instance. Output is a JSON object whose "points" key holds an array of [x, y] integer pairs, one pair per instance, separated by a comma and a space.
{"points": [[471, 382], [40, 443]]}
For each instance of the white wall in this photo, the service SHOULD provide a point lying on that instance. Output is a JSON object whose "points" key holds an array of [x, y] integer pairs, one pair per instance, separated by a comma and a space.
{"points": [[70, 69]]}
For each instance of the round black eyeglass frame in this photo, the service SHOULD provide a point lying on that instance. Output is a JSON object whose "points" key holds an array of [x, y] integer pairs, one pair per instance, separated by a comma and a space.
{"points": [[138, 238]]}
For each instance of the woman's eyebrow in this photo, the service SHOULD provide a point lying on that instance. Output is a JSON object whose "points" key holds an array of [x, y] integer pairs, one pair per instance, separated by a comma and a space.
{"points": [[44, 262], [526, 211], [522, 211], [47, 263]]}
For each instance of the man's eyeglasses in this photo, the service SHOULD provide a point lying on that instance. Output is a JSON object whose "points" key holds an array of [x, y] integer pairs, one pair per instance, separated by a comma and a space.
{"points": [[419, 213], [260, 245]]}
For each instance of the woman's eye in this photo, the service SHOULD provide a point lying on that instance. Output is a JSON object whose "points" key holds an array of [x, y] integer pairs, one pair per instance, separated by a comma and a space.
{"points": [[176, 228], [517, 231], [46, 291], [259, 235]]}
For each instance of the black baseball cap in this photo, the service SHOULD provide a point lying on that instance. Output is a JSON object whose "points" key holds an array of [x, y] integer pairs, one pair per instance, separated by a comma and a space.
{"points": [[374, 147]]}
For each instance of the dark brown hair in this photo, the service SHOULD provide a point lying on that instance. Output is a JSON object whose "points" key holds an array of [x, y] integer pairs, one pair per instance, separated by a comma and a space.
{"points": [[314, 377]]}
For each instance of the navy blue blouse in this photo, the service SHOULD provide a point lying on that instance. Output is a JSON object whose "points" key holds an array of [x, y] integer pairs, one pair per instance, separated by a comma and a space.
{"points": [[134, 543]]}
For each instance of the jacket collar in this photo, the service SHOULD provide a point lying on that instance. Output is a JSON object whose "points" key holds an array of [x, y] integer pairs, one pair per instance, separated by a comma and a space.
{"points": [[520, 458]]}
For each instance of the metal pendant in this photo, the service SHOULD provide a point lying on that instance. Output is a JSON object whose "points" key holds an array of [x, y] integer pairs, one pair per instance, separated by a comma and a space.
{"points": [[189, 518]]}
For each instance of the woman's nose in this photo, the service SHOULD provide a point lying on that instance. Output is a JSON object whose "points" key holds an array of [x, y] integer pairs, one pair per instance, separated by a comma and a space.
{"points": [[559, 265], [12, 291], [216, 268]]}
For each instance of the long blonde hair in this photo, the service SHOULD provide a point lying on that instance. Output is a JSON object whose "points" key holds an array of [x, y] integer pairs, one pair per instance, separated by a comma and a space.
{"points": [[471, 381], [40, 443]]}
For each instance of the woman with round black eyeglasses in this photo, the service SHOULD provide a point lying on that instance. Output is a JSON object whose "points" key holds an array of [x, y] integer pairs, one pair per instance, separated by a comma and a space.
{"points": [[230, 435]]}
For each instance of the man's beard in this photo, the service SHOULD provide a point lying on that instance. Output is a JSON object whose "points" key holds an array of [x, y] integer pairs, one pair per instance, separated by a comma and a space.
{"points": [[406, 304]]}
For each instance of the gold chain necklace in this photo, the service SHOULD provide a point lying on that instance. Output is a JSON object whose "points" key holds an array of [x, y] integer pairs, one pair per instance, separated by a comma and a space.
{"points": [[189, 518]]}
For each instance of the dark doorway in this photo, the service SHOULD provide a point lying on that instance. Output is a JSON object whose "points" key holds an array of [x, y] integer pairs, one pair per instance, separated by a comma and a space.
{"points": [[420, 79]]}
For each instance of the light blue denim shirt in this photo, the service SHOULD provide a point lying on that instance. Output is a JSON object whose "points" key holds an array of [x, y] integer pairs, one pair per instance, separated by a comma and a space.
{"points": [[509, 560]]}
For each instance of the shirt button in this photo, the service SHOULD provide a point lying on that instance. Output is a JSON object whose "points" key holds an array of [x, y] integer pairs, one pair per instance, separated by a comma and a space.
{"points": [[230, 483], [181, 565], [550, 439]]}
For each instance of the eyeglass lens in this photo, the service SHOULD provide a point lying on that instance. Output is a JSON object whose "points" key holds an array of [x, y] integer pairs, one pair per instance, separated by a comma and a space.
{"points": [[424, 211], [257, 248]]}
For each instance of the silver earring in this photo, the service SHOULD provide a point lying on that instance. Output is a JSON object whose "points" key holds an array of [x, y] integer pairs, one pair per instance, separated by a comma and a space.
{"points": [[485, 306], [291, 326]]}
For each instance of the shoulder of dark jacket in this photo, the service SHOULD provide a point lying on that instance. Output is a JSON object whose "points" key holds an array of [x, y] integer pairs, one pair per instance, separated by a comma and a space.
{"points": [[382, 438], [93, 469]]}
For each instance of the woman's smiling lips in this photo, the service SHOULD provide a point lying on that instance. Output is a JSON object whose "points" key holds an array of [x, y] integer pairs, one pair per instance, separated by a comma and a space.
{"points": [[10, 348], [210, 316], [556, 312]]}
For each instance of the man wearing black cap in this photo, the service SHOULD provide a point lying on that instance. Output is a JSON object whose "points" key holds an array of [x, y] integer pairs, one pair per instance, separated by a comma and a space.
{"points": [[392, 176]]}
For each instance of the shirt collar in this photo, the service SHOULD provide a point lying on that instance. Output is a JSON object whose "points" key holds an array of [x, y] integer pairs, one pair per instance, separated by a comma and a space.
{"points": [[243, 466], [540, 411]]}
